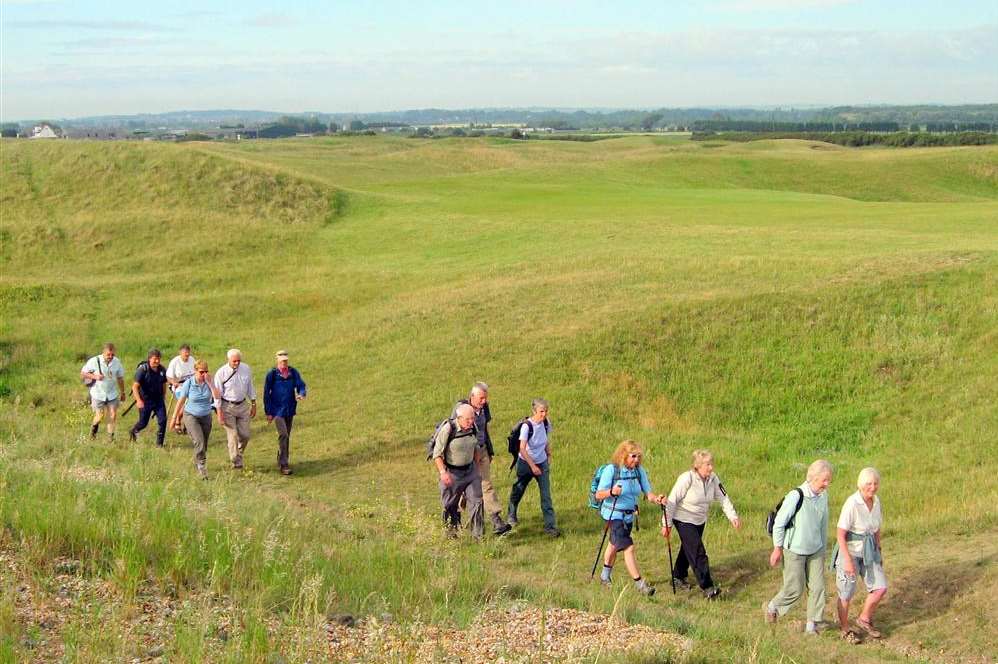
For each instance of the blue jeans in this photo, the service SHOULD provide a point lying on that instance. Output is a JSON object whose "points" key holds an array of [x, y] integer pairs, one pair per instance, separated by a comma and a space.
{"points": [[159, 409], [523, 477]]}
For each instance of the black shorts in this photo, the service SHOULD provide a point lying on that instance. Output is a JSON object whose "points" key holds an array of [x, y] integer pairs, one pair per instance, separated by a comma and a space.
{"points": [[620, 534]]}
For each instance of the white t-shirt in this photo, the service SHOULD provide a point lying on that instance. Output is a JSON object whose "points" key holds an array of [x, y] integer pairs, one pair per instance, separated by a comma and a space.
{"points": [[537, 443], [856, 518], [107, 389], [180, 370]]}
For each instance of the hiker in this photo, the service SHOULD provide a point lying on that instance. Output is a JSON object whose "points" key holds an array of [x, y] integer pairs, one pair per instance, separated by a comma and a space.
{"points": [[686, 510], [105, 376], [283, 388], [180, 368], [234, 382], [801, 546], [857, 554], [149, 391], [455, 454], [196, 397], [478, 398], [533, 462], [620, 486]]}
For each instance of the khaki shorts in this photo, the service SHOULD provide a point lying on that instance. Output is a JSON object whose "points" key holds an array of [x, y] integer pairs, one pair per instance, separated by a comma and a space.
{"points": [[100, 404], [873, 576]]}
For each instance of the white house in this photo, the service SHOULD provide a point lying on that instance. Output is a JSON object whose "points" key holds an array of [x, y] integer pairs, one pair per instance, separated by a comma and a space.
{"points": [[43, 131]]}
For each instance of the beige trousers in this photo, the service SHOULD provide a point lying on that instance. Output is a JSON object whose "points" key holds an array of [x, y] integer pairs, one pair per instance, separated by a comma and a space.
{"points": [[490, 499], [237, 428]]}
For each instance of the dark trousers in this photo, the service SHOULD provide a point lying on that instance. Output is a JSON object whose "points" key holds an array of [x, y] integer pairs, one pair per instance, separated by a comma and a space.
{"points": [[691, 552], [523, 478], [157, 409], [283, 425]]}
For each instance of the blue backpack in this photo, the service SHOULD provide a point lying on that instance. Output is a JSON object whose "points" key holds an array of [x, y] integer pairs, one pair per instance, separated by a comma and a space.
{"points": [[594, 484]]}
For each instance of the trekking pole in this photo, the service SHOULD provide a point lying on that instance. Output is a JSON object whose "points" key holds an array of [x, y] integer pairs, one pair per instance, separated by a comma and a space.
{"points": [[668, 543], [128, 409], [606, 529]]}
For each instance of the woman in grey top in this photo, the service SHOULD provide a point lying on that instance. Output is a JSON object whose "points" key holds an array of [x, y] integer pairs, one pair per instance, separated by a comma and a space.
{"points": [[799, 541]]}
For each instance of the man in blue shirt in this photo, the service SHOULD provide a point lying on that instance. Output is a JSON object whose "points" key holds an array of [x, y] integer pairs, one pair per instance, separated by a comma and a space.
{"points": [[149, 390], [283, 388]]}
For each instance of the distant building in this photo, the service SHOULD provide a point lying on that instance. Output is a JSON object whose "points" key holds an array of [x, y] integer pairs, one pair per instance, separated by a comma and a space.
{"points": [[43, 131]]}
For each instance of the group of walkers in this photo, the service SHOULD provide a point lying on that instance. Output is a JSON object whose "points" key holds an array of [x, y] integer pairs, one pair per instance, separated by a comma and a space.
{"points": [[462, 451], [196, 394]]}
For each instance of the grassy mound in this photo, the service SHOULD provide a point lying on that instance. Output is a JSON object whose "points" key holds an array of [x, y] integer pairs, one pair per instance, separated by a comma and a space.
{"points": [[770, 301]]}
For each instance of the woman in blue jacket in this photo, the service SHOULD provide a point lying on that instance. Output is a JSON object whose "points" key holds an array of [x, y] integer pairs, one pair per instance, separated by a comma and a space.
{"points": [[620, 486], [283, 388]]}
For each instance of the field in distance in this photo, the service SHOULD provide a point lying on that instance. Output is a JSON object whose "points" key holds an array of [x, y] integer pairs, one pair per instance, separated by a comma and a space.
{"points": [[774, 302]]}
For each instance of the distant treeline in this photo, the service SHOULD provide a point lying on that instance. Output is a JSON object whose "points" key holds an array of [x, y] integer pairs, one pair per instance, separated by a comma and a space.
{"points": [[966, 117], [826, 127], [900, 139]]}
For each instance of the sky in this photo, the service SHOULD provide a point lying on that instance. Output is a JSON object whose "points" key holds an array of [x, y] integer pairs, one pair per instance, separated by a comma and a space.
{"points": [[64, 59]]}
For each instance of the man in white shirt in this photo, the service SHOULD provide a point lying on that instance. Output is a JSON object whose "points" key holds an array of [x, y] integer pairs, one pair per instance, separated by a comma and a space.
{"points": [[180, 369], [105, 376], [234, 382]]}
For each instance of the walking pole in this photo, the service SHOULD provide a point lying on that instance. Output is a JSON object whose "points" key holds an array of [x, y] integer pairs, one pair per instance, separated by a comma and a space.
{"points": [[128, 409], [668, 542], [606, 529]]}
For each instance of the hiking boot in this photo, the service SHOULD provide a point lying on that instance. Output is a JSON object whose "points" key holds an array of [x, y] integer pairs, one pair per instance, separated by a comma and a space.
{"points": [[285, 470], [499, 527], [771, 615], [512, 521], [93, 431], [642, 587], [552, 532], [683, 584], [237, 464], [711, 593], [132, 436], [202, 471]]}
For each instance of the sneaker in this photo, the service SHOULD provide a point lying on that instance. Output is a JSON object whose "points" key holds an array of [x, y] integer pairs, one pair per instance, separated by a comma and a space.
{"points": [[643, 588], [683, 584], [93, 431], [552, 532], [606, 581], [712, 593], [771, 615], [132, 436]]}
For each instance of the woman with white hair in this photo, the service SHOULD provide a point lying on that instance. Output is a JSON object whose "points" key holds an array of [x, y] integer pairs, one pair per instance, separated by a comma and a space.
{"points": [[799, 533], [857, 554], [687, 510]]}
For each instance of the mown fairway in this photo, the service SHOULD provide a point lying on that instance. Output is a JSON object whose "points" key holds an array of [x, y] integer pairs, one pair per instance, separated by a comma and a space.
{"points": [[775, 302]]}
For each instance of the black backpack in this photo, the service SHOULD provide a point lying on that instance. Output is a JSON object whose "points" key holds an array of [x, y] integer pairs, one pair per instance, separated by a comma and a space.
{"points": [[771, 518], [513, 439]]}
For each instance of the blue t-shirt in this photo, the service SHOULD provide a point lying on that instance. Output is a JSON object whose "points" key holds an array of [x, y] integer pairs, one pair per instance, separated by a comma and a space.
{"points": [[633, 482], [199, 397], [537, 443]]}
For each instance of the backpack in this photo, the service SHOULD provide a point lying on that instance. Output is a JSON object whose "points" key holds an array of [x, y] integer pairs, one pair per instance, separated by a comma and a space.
{"points": [[89, 382], [594, 484], [771, 518], [513, 439], [433, 437]]}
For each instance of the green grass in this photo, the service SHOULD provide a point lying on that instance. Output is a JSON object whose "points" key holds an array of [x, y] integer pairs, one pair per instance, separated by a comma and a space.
{"points": [[774, 301]]}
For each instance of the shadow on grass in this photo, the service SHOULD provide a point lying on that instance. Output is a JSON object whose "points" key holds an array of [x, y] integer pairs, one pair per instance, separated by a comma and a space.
{"points": [[928, 592], [372, 451]]}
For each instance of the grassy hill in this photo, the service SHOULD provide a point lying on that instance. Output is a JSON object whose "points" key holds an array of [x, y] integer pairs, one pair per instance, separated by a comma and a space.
{"points": [[775, 302]]}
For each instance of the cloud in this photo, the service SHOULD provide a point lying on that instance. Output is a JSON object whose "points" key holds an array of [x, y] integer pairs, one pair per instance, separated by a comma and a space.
{"points": [[110, 26], [272, 20], [772, 5]]}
